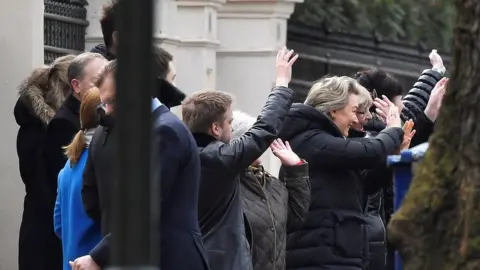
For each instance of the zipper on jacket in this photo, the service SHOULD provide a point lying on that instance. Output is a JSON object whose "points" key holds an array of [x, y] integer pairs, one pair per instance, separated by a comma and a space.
{"points": [[274, 262]]}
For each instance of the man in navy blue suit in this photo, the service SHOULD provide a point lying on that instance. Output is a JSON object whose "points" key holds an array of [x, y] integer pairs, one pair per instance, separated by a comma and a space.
{"points": [[176, 166]]}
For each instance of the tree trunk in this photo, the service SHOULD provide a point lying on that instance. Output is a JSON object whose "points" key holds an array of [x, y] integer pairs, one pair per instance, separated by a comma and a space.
{"points": [[438, 224]]}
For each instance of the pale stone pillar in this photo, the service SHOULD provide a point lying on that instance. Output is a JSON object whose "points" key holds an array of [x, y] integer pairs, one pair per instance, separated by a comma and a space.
{"points": [[196, 55], [21, 50], [250, 34]]}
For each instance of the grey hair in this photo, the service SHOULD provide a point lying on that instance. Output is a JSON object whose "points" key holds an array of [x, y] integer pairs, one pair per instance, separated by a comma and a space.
{"points": [[78, 64], [365, 100], [331, 93], [241, 123]]}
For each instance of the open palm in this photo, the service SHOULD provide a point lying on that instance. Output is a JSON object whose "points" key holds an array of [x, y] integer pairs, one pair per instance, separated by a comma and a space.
{"points": [[284, 152]]}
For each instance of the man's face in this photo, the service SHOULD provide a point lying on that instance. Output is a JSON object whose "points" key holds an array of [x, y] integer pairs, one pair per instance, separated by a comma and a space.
{"points": [[107, 94], [225, 128], [91, 69], [172, 73]]}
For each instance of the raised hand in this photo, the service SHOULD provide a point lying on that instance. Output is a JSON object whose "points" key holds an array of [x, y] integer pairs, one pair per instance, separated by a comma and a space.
{"points": [[436, 61], [388, 112], [436, 97], [284, 152], [284, 64], [408, 133]]}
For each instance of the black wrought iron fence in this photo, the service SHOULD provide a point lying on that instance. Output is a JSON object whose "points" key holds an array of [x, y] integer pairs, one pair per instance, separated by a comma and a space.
{"points": [[65, 22], [338, 53]]}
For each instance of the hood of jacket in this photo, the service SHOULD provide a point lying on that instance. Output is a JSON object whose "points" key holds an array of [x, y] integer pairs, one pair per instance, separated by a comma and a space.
{"points": [[103, 50], [36, 104], [302, 118]]}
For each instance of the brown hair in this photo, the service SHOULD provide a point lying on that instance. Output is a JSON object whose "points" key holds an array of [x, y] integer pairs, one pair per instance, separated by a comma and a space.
{"points": [[204, 108], [161, 58], [88, 120], [105, 71], [108, 22]]}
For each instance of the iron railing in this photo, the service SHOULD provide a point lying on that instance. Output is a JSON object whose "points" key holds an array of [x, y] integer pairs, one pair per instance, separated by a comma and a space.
{"points": [[323, 52], [65, 22]]}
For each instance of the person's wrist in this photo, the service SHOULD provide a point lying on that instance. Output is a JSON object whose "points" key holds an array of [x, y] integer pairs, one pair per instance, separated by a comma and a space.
{"points": [[281, 81], [430, 113], [440, 69]]}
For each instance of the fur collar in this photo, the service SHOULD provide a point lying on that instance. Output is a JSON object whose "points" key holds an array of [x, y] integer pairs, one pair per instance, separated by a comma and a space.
{"points": [[43, 103]]}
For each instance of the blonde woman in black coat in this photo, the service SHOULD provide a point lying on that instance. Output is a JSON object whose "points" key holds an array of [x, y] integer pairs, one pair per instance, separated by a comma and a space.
{"points": [[341, 172], [272, 206]]}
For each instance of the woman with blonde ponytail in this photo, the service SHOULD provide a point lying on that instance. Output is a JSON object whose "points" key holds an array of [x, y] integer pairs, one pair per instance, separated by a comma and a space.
{"points": [[79, 233]]}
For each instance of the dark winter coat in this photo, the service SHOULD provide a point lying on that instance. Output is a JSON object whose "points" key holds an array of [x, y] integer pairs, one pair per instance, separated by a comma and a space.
{"points": [[374, 212], [60, 132], [39, 247], [273, 207], [342, 172], [219, 206], [98, 177]]}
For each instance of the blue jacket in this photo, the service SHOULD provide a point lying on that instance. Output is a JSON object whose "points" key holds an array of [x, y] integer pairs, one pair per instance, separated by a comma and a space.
{"points": [[79, 233]]}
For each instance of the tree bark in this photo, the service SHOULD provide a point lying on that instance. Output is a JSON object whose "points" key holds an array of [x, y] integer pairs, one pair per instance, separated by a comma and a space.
{"points": [[438, 224]]}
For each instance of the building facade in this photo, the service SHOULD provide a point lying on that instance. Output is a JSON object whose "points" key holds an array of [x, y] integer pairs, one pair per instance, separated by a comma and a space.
{"points": [[227, 45]]}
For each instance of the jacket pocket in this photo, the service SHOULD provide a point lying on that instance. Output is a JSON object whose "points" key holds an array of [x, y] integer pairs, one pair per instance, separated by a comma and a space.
{"points": [[197, 238], [350, 236]]}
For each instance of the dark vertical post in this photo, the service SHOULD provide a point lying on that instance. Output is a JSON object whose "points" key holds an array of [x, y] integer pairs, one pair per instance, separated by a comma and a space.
{"points": [[131, 210]]}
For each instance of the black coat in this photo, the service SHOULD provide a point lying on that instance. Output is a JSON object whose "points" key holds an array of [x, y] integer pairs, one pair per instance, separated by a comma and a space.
{"points": [[334, 233], [220, 211], [97, 176], [375, 210], [60, 132], [38, 247]]}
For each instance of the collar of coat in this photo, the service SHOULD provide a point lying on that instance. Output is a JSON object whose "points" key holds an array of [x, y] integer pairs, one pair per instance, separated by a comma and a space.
{"points": [[203, 139]]}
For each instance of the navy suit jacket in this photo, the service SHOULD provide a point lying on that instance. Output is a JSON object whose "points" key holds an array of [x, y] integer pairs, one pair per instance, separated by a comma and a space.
{"points": [[176, 168]]}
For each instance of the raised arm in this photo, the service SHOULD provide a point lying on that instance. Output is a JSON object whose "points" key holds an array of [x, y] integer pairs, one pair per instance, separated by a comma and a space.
{"points": [[348, 154], [240, 153], [416, 100]]}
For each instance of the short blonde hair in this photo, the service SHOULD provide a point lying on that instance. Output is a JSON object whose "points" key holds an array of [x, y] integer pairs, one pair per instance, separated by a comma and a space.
{"points": [[365, 100], [331, 93]]}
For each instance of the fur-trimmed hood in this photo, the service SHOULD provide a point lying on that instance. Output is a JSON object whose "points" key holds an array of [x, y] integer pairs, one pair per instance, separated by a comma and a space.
{"points": [[35, 101]]}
